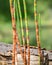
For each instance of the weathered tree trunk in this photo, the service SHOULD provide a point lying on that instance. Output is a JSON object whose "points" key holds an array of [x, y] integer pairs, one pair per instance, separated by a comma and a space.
{"points": [[6, 55]]}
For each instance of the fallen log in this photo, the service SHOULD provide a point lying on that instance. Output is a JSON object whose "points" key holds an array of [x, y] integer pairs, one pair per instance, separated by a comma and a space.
{"points": [[6, 55]]}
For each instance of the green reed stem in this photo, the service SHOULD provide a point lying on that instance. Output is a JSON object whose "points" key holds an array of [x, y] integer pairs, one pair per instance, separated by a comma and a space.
{"points": [[40, 26], [20, 14], [37, 30], [27, 33], [18, 22], [26, 22]]}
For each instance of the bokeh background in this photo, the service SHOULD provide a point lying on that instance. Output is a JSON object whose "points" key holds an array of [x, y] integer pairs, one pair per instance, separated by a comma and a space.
{"points": [[44, 7]]}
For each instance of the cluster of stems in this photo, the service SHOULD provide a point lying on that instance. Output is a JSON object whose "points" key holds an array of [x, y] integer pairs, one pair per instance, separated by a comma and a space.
{"points": [[15, 35], [13, 7], [23, 39]]}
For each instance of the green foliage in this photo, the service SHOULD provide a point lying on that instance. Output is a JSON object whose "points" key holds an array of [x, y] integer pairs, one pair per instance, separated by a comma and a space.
{"points": [[44, 8]]}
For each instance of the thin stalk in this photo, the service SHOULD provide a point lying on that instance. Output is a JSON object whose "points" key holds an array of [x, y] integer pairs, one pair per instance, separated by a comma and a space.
{"points": [[20, 14], [40, 36], [16, 59], [27, 34], [12, 9], [15, 35], [39, 26], [22, 29], [18, 22], [37, 31], [17, 39], [17, 12]]}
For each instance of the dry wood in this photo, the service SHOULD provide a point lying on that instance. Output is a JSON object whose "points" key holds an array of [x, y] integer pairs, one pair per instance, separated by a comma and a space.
{"points": [[33, 60]]}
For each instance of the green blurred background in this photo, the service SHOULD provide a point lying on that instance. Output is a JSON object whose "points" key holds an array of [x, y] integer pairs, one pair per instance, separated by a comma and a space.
{"points": [[44, 8]]}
